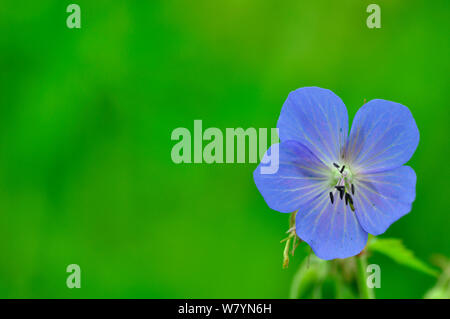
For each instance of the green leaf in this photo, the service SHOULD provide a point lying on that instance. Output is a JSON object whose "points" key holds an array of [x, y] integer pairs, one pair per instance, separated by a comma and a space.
{"points": [[442, 288], [394, 249], [308, 280]]}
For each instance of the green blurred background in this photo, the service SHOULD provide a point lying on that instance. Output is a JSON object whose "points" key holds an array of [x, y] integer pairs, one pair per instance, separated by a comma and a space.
{"points": [[86, 117]]}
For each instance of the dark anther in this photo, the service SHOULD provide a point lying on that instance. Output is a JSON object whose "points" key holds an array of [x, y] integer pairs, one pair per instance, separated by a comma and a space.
{"points": [[342, 169], [331, 198], [336, 165], [353, 190], [351, 206], [350, 199], [346, 198], [341, 193]]}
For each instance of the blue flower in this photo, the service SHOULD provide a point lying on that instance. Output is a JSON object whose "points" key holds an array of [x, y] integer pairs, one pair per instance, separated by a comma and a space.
{"points": [[344, 186]]}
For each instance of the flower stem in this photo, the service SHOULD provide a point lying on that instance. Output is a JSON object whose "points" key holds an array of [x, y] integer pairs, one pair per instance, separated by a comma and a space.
{"points": [[364, 291], [291, 236]]}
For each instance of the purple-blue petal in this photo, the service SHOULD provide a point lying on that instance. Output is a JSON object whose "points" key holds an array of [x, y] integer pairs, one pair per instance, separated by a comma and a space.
{"points": [[332, 230], [318, 119], [301, 176], [384, 135], [382, 198]]}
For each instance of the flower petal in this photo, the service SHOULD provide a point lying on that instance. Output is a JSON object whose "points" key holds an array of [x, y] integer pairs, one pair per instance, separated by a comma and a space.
{"points": [[384, 135], [301, 176], [318, 119], [382, 198], [332, 230]]}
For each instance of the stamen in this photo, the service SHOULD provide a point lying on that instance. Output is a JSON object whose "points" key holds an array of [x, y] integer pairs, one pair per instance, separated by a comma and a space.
{"points": [[342, 169], [346, 198], [336, 165], [353, 189], [341, 190], [331, 198], [352, 207], [350, 201]]}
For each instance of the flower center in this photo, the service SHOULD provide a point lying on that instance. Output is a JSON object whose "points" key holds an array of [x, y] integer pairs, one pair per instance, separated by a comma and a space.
{"points": [[343, 186]]}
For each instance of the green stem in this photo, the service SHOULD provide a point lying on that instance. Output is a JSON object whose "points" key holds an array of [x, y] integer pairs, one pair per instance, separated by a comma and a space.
{"points": [[364, 291]]}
